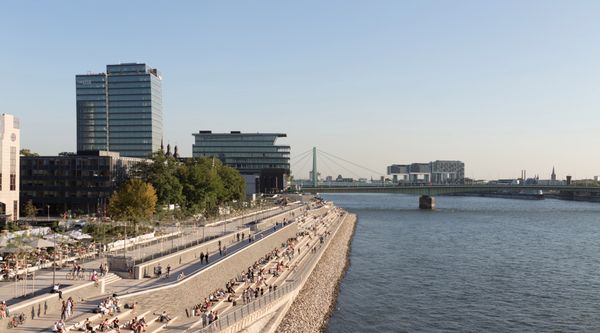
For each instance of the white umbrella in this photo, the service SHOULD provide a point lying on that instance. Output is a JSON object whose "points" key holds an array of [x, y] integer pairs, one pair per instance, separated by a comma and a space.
{"points": [[40, 243], [58, 238], [14, 248], [78, 235]]}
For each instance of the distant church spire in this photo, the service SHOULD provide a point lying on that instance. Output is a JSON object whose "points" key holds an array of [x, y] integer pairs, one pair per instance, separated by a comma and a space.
{"points": [[553, 175]]}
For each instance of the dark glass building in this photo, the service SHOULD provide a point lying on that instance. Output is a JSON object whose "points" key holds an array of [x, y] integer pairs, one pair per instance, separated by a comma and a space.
{"points": [[263, 164], [79, 183], [120, 110]]}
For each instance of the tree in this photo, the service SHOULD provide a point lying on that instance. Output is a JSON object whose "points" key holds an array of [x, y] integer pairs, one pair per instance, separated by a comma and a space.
{"points": [[134, 202], [26, 152], [208, 184], [160, 172], [200, 185], [233, 183], [30, 210]]}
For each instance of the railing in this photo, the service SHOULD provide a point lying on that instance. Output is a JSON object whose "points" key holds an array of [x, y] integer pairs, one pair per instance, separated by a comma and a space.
{"points": [[190, 236], [233, 317], [244, 311]]}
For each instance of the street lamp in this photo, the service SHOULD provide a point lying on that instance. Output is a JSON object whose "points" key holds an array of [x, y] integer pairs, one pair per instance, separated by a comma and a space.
{"points": [[53, 254]]}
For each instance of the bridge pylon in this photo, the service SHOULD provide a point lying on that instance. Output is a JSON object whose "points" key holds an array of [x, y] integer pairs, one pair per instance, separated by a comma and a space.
{"points": [[426, 202], [315, 175]]}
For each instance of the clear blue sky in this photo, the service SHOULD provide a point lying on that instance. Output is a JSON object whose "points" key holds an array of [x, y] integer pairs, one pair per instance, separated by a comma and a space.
{"points": [[502, 86]]}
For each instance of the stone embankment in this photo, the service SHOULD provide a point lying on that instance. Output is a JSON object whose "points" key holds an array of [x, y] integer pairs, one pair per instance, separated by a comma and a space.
{"points": [[312, 308]]}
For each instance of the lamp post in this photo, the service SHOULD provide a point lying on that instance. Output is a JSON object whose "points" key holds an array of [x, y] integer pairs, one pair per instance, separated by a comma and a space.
{"points": [[53, 254]]}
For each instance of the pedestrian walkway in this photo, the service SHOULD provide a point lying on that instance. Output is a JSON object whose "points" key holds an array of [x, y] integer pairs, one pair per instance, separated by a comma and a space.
{"points": [[129, 286], [15, 292]]}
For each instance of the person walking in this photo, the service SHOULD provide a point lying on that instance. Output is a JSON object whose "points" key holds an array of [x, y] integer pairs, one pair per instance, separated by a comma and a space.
{"points": [[168, 270], [63, 310]]}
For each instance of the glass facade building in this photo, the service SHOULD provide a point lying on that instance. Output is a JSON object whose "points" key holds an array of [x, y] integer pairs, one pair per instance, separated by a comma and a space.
{"points": [[250, 153], [80, 183], [120, 110]]}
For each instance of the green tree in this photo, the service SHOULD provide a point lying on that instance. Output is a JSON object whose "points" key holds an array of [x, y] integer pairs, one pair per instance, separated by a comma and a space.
{"points": [[134, 202], [201, 185], [160, 171], [30, 210], [208, 184], [234, 184], [26, 152]]}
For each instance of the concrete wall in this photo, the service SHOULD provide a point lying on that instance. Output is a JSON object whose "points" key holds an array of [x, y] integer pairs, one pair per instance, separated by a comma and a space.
{"points": [[288, 216], [175, 298], [186, 256]]}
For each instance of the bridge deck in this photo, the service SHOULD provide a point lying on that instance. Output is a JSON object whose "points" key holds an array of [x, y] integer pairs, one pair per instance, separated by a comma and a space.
{"points": [[447, 189]]}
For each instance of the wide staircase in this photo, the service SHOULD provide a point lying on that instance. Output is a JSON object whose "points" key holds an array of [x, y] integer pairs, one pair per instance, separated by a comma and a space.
{"points": [[316, 225]]}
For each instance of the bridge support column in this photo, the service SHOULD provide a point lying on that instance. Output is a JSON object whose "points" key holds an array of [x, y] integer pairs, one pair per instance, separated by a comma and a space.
{"points": [[426, 202]]}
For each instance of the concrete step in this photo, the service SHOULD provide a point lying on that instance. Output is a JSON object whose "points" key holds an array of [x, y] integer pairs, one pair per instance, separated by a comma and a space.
{"points": [[96, 319], [156, 326], [153, 324], [111, 277], [127, 318]]}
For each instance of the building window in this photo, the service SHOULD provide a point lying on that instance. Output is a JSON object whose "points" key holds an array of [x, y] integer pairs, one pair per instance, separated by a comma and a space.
{"points": [[15, 209], [13, 168]]}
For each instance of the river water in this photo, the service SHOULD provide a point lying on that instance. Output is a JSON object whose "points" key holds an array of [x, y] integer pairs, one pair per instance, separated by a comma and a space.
{"points": [[471, 265]]}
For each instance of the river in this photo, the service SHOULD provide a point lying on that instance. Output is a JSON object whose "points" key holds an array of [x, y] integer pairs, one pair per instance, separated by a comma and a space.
{"points": [[471, 265]]}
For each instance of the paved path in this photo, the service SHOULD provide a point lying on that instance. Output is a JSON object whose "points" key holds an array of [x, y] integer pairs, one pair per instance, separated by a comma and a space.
{"points": [[25, 290], [16, 292], [127, 286]]}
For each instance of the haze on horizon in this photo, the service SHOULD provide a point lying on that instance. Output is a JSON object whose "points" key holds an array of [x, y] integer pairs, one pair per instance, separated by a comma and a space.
{"points": [[502, 86]]}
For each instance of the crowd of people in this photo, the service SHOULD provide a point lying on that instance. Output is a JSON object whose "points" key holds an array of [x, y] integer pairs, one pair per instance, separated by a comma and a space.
{"points": [[66, 310], [253, 281], [59, 327], [247, 286], [109, 306], [137, 325]]}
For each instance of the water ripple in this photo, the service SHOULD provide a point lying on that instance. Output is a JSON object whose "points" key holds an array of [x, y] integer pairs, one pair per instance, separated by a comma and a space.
{"points": [[473, 265]]}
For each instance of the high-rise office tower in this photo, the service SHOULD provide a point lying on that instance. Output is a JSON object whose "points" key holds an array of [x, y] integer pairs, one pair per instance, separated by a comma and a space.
{"points": [[120, 110]]}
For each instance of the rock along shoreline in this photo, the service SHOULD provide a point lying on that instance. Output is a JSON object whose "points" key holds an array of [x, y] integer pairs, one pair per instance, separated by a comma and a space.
{"points": [[315, 303]]}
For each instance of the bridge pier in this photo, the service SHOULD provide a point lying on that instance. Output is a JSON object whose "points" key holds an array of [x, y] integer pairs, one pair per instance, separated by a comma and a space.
{"points": [[426, 202]]}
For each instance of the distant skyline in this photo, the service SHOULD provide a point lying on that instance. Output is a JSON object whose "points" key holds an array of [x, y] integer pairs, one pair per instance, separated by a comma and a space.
{"points": [[502, 86]]}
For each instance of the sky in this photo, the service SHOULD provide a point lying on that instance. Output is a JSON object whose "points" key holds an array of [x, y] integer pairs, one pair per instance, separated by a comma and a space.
{"points": [[502, 86]]}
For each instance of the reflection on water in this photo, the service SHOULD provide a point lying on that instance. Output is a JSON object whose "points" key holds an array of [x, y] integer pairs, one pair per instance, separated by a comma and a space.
{"points": [[472, 265]]}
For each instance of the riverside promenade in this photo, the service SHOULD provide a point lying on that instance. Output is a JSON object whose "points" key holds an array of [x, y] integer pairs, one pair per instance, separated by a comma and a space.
{"points": [[311, 309], [17, 292], [45, 317], [322, 245], [177, 297]]}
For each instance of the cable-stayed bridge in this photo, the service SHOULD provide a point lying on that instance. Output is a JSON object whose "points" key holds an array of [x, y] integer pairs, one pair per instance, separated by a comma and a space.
{"points": [[425, 191]]}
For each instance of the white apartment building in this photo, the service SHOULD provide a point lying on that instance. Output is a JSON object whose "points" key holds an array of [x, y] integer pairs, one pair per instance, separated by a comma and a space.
{"points": [[10, 146]]}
